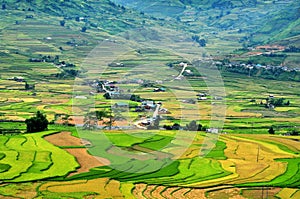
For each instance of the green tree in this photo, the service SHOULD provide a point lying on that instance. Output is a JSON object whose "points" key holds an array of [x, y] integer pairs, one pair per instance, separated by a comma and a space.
{"points": [[295, 132], [62, 22], [83, 29], [101, 114], [192, 126], [107, 96], [271, 131], [37, 123]]}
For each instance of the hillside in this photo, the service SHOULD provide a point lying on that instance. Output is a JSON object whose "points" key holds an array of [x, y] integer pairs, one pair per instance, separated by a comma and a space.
{"points": [[261, 21]]}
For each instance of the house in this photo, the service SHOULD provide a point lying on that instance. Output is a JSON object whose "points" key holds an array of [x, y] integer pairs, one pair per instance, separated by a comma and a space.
{"points": [[80, 97], [161, 89], [212, 130], [114, 95], [189, 72], [201, 94], [182, 64], [139, 109], [17, 79], [202, 98], [163, 111], [148, 104], [121, 105], [218, 98], [116, 64]]}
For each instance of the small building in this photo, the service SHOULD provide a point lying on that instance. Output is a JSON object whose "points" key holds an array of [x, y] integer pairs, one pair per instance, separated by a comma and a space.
{"points": [[80, 97], [201, 94], [188, 72], [148, 104], [218, 98], [17, 79], [161, 89], [116, 64], [212, 130], [139, 109], [163, 111], [202, 98], [121, 105], [182, 64]]}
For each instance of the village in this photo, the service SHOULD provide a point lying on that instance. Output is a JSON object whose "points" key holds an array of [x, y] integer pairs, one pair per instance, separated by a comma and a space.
{"points": [[130, 111]]}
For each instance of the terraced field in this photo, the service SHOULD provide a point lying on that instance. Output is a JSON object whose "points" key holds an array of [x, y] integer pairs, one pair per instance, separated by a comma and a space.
{"points": [[29, 157], [149, 165]]}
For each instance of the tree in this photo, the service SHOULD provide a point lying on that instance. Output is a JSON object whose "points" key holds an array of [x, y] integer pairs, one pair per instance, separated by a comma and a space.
{"points": [[3, 6], [199, 127], [295, 132], [192, 126], [29, 87], [202, 42], [83, 29], [176, 126], [271, 131], [62, 22], [37, 123], [101, 114], [107, 96]]}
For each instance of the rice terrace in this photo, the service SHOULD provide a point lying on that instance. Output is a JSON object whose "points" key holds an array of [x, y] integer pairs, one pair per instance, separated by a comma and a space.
{"points": [[149, 99]]}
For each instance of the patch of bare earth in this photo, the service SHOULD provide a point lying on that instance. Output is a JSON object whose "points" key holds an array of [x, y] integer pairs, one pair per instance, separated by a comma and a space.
{"points": [[63, 139], [85, 160]]}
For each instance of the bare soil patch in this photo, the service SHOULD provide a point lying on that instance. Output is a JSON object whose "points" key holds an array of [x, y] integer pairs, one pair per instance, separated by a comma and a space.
{"points": [[63, 139]]}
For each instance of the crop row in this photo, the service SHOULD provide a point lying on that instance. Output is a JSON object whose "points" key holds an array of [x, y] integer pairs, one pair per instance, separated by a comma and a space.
{"points": [[29, 157]]}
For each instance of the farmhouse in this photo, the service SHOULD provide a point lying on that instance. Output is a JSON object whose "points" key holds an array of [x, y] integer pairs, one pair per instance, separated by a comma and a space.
{"points": [[201, 94], [121, 105], [182, 64], [80, 97], [218, 98], [202, 98], [116, 64], [163, 111], [212, 130], [17, 79], [148, 105], [161, 89]]}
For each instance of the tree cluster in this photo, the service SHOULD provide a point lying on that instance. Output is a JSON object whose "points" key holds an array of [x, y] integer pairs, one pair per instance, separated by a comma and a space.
{"points": [[37, 123], [192, 126], [201, 42]]}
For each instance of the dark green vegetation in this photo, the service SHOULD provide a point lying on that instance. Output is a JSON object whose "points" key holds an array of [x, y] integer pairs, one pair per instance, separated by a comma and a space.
{"points": [[37, 123]]}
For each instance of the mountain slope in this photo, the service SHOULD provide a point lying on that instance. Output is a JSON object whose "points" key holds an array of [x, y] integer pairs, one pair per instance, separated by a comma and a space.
{"points": [[262, 21]]}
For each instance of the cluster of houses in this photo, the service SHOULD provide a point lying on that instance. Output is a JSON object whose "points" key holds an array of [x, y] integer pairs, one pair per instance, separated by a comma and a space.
{"points": [[257, 66], [17, 79], [203, 96]]}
